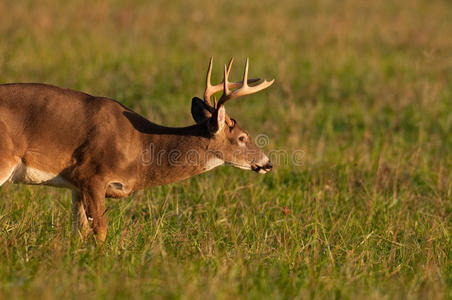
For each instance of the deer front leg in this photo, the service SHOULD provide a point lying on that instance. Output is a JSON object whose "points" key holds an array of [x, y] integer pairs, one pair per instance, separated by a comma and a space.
{"points": [[80, 221], [94, 201]]}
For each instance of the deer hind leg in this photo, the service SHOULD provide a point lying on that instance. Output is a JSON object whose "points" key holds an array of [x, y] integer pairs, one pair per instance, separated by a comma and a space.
{"points": [[7, 166], [8, 162], [6, 171], [80, 222]]}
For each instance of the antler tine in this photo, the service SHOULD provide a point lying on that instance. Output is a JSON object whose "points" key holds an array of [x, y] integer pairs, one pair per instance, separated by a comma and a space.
{"points": [[213, 89], [230, 64], [208, 91], [245, 74], [245, 89], [225, 81]]}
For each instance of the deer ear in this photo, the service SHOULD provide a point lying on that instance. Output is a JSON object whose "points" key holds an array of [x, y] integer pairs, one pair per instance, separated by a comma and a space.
{"points": [[217, 120], [200, 110]]}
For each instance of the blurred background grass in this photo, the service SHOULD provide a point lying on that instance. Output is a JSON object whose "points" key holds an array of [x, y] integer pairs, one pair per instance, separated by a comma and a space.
{"points": [[363, 88]]}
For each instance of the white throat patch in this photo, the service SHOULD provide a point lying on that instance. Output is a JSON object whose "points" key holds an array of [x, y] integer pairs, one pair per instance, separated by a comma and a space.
{"points": [[213, 163]]}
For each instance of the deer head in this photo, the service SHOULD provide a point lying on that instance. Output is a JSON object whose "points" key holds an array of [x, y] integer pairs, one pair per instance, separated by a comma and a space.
{"points": [[228, 140]]}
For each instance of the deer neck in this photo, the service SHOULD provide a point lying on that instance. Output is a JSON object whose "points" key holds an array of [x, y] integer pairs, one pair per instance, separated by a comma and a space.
{"points": [[172, 154]]}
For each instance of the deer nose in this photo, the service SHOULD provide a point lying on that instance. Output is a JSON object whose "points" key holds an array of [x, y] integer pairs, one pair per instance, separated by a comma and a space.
{"points": [[268, 166]]}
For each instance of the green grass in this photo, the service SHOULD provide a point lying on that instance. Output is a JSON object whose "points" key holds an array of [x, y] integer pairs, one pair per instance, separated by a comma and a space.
{"points": [[363, 88]]}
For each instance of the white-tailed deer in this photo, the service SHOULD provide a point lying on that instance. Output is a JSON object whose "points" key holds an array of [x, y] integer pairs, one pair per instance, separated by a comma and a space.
{"points": [[100, 148]]}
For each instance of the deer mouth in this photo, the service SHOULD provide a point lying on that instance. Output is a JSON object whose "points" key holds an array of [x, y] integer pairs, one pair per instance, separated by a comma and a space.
{"points": [[262, 169], [238, 166]]}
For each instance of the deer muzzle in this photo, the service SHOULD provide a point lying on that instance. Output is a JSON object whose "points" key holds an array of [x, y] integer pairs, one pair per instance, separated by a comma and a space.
{"points": [[262, 168]]}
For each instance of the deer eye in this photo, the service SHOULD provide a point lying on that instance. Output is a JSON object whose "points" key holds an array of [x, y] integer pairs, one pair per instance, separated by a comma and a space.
{"points": [[242, 138]]}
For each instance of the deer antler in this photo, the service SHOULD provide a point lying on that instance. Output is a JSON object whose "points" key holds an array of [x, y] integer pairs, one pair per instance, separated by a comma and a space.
{"points": [[213, 89], [245, 89]]}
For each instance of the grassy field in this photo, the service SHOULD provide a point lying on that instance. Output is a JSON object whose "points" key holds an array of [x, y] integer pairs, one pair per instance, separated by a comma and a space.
{"points": [[363, 89]]}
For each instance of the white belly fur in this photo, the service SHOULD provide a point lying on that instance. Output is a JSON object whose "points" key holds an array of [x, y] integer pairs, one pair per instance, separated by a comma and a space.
{"points": [[28, 175]]}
